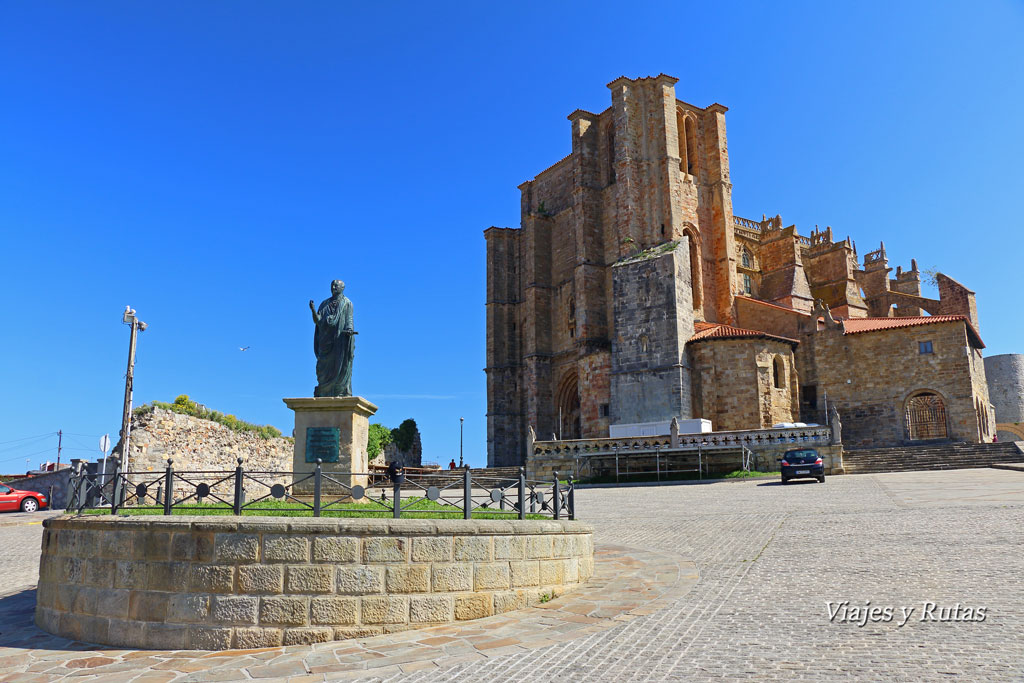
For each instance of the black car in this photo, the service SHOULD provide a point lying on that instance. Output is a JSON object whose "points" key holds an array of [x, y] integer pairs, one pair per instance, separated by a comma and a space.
{"points": [[804, 463]]}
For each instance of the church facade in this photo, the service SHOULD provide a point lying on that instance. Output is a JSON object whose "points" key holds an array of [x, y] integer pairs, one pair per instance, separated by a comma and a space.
{"points": [[631, 293]]}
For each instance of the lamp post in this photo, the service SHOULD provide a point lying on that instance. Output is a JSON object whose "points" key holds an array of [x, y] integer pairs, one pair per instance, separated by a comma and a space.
{"points": [[126, 418], [461, 420]]}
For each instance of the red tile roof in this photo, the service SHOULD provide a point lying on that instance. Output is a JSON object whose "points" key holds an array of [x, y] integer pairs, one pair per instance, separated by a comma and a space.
{"points": [[858, 325], [721, 331]]}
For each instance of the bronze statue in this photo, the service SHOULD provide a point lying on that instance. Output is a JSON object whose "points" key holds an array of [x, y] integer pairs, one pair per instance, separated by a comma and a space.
{"points": [[334, 343]]}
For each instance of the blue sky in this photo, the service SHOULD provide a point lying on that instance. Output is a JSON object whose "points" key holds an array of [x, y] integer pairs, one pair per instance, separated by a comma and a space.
{"points": [[215, 165]]}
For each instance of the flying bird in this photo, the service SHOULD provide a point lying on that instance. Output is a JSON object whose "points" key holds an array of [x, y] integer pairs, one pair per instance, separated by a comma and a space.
{"points": [[243, 348]]}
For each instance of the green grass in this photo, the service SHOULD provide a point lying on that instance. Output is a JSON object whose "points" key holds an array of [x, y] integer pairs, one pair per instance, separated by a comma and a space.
{"points": [[743, 474], [413, 508]]}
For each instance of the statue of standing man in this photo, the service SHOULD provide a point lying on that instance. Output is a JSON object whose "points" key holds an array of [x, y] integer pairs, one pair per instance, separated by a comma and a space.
{"points": [[334, 343]]}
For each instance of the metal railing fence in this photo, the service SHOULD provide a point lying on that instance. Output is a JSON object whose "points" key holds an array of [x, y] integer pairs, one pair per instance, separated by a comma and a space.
{"points": [[322, 493]]}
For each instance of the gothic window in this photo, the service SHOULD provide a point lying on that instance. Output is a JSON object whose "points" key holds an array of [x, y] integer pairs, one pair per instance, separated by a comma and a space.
{"points": [[745, 259], [691, 147], [747, 284], [778, 372], [572, 318]]}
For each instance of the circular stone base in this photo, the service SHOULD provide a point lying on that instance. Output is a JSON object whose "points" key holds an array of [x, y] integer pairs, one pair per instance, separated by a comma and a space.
{"points": [[215, 583]]}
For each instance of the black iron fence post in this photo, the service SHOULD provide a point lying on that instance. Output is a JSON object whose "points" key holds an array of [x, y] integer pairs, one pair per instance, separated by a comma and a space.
{"points": [[572, 500], [317, 483], [522, 493], [168, 487], [467, 495], [396, 497], [238, 488], [557, 493]]}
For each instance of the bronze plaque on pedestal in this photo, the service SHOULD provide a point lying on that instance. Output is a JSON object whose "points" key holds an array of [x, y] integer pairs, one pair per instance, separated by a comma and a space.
{"points": [[322, 442]]}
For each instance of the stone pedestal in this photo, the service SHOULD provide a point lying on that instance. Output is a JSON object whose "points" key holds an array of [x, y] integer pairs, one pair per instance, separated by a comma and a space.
{"points": [[335, 429]]}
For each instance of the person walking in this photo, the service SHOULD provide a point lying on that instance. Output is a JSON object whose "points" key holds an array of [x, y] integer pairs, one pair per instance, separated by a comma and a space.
{"points": [[452, 465]]}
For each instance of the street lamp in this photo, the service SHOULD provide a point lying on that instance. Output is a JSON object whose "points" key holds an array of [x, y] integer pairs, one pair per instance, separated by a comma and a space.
{"points": [[461, 420]]}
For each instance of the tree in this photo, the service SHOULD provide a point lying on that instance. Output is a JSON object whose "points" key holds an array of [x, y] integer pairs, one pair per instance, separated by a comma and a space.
{"points": [[379, 438]]}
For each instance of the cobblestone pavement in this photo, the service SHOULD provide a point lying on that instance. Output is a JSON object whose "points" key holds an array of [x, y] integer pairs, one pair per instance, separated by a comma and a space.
{"points": [[20, 534], [769, 559]]}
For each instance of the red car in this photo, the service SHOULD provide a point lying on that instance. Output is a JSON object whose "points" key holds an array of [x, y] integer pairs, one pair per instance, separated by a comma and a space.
{"points": [[26, 501]]}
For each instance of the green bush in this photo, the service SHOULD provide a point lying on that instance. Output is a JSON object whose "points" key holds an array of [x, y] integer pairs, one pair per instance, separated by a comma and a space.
{"points": [[380, 437], [186, 406]]}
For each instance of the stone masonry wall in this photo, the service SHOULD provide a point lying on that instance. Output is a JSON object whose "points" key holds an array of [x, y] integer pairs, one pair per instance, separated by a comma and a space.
{"points": [[215, 583], [196, 444]]}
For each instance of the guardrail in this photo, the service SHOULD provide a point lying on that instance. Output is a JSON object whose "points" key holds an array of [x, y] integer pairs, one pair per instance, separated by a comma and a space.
{"points": [[319, 493]]}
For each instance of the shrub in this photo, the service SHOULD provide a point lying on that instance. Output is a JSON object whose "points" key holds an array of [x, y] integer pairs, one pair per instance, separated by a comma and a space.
{"points": [[380, 437], [186, 406]]}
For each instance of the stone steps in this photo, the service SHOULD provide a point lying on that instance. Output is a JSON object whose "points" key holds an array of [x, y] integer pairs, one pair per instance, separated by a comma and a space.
{"points": [[930, 457]]}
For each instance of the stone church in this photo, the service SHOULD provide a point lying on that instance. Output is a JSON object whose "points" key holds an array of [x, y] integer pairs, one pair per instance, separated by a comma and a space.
{"points": [[631, 293]]}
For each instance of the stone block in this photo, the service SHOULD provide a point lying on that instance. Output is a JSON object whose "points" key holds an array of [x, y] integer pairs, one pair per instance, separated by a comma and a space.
{"points": [[188, 608], [126, 633], [130, 574], [85, 600], [492, 576], [452, 577], [251, 638], [552, 572], [310, 579], [360, 580], [333, 610], [184, 546], [72, 570], [46, 594], [473, 606], [506, 601], [307, 636], [509, 547], [147, 606], [112, 602], [99, 572], [64, 596], [472, 549], [335, 549], [237, 548], [525, 573], [406, 578], [427, 549], [291, 611], [346, 632], [166, 636], [209, 638], [152, 546], [384, 610], [211, 578], [571, 570], [116, 545], [285, 548], [167, 576], [386, 550], [538, 547], [260, 578], [563, 546], [586, 567], [428, 609], [234, 609]]}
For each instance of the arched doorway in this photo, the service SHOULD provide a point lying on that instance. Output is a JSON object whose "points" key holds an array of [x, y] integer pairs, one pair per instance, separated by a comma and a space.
{"points": [[567, 407], [926, 417]]}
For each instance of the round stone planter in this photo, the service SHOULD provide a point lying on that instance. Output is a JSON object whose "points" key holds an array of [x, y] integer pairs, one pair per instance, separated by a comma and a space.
{"points": [[214, 583]]}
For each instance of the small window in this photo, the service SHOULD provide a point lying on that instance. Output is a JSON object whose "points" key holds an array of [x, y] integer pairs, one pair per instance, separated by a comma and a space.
{"points": [[644, 343], [747, 286], [924, 347], [572, 318], [746, 259], [778, 372], [605, 412]]}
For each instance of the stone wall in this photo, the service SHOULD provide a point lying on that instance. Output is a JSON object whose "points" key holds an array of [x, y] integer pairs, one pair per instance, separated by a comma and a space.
{"points": [[215, 583], [871, 376], [196, 444], [1005, 375], [56, 485]]}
